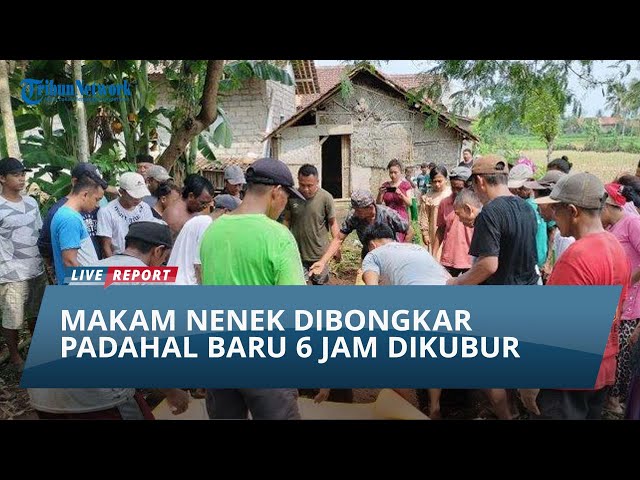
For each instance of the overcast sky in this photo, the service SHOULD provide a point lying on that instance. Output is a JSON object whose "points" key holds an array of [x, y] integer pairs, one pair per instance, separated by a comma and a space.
{"points": [[592, 100]]}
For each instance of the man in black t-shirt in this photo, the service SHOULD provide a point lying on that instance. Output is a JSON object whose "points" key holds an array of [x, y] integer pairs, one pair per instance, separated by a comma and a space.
{"points": [[504, 242], [504, 237]]}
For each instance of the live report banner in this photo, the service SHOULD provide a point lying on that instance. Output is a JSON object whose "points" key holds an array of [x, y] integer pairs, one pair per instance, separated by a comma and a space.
{"points": [[334, 336]]}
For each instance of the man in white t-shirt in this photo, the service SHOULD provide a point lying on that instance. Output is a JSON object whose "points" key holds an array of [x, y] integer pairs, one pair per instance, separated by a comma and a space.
{"points": [[186, 249], [115, 218]]}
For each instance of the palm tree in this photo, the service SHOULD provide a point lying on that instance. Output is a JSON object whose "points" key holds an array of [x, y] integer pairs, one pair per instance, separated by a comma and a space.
{"points": [[616, 98], [81, 117]]}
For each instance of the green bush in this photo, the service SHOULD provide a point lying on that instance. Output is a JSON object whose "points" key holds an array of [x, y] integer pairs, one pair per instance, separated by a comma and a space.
{"points": [[565, 146]]}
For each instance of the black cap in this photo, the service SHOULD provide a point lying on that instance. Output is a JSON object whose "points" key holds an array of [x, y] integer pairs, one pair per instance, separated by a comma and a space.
{"points": [[90, 171], [144, 158], [12, 165], [270, 171], [155, 233]]}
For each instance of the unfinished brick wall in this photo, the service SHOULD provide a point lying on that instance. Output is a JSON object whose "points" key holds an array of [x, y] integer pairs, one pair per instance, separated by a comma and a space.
{"points": [[296, 150], [247, 110], [283, 103]]}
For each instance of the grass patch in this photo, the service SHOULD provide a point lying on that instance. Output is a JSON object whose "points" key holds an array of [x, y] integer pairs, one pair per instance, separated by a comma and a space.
{"points": [[606, 166]]}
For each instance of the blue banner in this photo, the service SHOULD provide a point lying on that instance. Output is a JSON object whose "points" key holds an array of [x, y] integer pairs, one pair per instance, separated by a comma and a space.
{"points": [[312, 337]]}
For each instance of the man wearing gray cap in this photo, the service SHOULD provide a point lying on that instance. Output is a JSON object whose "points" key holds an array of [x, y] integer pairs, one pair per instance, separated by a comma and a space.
{"points": [[186, 251], [233, 181], [155, 175], [248, 247], [454, 236], [595, 258], [364, 213]]}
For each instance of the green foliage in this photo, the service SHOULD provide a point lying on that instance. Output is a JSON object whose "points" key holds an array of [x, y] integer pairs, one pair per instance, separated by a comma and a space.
{"points": [[542, 114], [217, 135], [346, 86], [494, 139]]}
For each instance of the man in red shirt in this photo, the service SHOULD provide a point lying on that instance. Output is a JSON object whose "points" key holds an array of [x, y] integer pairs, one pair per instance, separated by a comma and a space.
{"points": [[452, 233], [596, 258]]}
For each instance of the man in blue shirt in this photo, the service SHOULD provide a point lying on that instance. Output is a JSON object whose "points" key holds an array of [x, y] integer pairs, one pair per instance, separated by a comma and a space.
{"points": [[90, 218], [70, 240]]}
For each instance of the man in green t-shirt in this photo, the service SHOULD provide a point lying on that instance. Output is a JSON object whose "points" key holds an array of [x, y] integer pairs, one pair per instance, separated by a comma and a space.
{"points": [[311, 220], [248, 247]]}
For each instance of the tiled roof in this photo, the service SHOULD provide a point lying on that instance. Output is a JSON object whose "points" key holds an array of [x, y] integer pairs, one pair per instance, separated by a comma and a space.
{"points": [[324, 77], [329, 77], [205, 165]]}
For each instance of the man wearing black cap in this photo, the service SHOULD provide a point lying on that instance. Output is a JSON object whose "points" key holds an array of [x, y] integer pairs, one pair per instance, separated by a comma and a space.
{"points": [[90, 218], [248, 247], [147, 245], [71, 244], [22, 278], [143, 163]]}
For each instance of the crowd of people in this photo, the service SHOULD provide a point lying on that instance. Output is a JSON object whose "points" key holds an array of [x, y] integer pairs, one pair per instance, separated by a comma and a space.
{"points": [[482, 222]]}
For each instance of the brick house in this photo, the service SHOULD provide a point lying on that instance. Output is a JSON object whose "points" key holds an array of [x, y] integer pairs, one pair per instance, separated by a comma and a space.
{"points": [[252, 111], [351, 140]]}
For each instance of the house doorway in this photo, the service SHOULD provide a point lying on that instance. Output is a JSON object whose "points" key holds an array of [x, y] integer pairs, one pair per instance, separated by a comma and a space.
{"points": [[332, 165]]}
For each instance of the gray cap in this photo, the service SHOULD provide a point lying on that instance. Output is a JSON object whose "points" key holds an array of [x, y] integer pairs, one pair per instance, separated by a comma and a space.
{"points": [[583, 190], [233, 174], [151, 232], [227, 201], [460, 173], [361, 199], [270, 171], [548, 181], [519, 175], [159, 173]]}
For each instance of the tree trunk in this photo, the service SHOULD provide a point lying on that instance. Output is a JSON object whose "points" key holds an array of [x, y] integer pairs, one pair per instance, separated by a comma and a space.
{"points": [[193, 155], [549, 149], [193, 126], [81, 116], [10, 135]]}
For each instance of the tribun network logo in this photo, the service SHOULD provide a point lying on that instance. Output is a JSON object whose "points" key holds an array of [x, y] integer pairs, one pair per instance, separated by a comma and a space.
{"points": [[123, 275], [36, 90]]}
